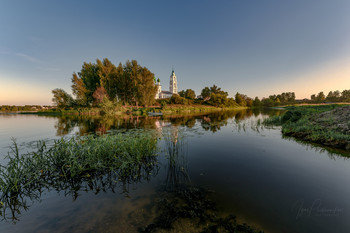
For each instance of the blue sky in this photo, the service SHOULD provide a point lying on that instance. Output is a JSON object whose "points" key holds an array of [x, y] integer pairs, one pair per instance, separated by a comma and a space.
{"points": [[254, 47]]}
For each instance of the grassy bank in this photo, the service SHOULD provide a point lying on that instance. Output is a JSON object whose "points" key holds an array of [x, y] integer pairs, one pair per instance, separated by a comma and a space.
{"points": [[71, 165], [130, 110], [323, 124]]}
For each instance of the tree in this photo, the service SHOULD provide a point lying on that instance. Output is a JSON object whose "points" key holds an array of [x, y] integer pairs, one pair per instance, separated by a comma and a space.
{"points": [[214, 89], [130, 83], [176, 99], [99, 95], [345, 96], [257, 102], [107, 73], [249, 101], [124, 84], [320, 97], [231, 102], [267, 102], [146, 89], [190, 94], [182, 93], [90, 78], [290, 96], [240, 100], [313, 97], [206, 93], [61, 98], [218, 100], [79, 90], [277, 102]]}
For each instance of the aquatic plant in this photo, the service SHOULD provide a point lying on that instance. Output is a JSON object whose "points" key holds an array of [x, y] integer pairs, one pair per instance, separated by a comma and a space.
{"points": [[176, 153], [195, 205], [70, 165]]}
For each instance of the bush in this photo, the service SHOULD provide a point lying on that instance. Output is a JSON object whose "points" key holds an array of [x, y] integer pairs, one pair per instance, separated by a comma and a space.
{"points": [[176, 99], [292, 116]]}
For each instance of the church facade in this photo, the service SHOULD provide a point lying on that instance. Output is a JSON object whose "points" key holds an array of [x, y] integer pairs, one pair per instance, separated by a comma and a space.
{"points": [[172, 88]]}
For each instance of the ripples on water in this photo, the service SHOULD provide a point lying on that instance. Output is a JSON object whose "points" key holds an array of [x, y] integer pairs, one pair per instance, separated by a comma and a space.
{"points": [[274, 183]]}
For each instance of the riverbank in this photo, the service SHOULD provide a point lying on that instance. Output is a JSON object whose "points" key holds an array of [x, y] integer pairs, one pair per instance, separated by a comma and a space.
{"points": [[327, 125], [130, 110]]}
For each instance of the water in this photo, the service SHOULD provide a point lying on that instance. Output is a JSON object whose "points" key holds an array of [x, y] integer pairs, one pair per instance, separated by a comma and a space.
{"points": [[276, 184]]}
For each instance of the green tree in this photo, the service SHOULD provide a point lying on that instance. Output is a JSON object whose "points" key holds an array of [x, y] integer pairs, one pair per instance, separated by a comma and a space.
{"points": [[130, 83], [61, 98], [107, 72], [334, 96], [313, 97], [214, 89], [218, 100], [182, 93], [231, 102], [205, 93], [146, 89], [320, 97], [240, 99], [267, 102], [79, 90], [345, 96], [277, 102], [257, 102], [249, 101], [90, 78], [176, 99], [190, 94], [124, 84]]}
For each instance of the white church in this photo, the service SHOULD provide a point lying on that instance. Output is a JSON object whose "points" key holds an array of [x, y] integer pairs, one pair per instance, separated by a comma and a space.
{"points": [[172, 88]]}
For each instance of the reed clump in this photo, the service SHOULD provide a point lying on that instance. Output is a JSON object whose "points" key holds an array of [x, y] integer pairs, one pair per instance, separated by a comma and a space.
{"points": [[87, 162]]}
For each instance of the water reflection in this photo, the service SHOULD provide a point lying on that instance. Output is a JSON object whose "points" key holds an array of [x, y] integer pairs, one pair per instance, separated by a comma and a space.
{"points": [[177, 167], [256, 177], [102, 124], [213, 122], [13, 205]]}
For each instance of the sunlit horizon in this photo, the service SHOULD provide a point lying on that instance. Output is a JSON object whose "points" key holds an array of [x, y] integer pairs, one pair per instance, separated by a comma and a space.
{"points": [[257, 49]]}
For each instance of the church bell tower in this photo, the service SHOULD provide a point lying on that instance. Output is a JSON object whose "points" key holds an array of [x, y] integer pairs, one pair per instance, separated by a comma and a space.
{"points": [[173, 83]]}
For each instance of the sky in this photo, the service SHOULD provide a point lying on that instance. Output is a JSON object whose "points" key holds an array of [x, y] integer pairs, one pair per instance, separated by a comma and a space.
{"points": [[257, 48]]}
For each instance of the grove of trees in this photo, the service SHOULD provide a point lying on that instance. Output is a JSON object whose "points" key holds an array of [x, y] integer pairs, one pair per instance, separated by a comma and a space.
{"points": [[129, 83], [333, 96], [105, 85]]}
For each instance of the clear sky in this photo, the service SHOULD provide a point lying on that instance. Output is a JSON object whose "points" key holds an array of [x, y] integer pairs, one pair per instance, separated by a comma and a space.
{"points": [[254, 47]]}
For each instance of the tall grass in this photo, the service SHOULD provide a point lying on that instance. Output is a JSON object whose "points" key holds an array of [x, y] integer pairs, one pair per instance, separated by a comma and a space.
{"points": [[70, 165], [301, 122]]}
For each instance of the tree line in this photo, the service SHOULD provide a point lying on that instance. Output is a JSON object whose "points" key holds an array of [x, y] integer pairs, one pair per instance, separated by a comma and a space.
{"points": [[104, 84], [96, 83], [14, 108], [333, 96]]}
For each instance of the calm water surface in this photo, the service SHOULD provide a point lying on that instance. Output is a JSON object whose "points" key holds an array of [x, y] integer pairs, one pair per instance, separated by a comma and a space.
{"points": [[271, 182]]}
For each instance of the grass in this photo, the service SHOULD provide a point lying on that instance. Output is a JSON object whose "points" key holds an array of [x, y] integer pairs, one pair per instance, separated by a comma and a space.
{"points": [[79, 163], [301, 122]]}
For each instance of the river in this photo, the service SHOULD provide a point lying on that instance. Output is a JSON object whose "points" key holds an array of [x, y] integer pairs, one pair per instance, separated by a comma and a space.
{"points": [[273, 183]]}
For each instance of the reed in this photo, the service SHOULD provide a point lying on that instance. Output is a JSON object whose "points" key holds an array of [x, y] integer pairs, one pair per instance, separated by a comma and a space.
{"points": [[68, 163]]}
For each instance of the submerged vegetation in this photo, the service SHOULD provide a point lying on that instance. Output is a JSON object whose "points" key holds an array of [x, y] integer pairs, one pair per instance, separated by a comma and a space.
{"points": [[324, 124], [73, 165], [181, 206], [193, 204]]}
